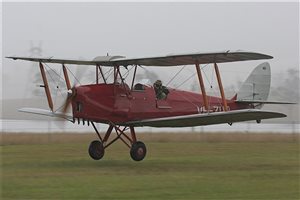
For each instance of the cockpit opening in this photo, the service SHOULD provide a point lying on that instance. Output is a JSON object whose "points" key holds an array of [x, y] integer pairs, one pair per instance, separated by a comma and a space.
{"points": [[139, 87]]}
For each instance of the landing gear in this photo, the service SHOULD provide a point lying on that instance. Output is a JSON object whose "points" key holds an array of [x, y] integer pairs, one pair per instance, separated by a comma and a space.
{"points": [[137, 148], [96, 150], [138, 151]]}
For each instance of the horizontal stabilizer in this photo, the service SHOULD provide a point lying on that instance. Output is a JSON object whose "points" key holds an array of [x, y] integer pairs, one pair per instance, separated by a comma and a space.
{"points": [[208, 118], [263, 102], [48, 113]]}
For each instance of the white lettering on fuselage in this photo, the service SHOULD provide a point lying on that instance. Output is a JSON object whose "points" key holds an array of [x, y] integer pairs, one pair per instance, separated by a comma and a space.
{"points": [[213, 109]]}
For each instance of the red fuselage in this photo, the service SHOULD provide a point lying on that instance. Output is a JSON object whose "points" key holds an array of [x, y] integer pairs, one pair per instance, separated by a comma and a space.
{"points": [[118, 104]]}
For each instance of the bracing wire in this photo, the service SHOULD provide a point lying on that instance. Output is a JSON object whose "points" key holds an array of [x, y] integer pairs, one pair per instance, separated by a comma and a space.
{"points": [[53, 78], [74, 76], [211, 86], [96, 80], [110, 72], [58, 89], [186, 80], [99, 73], [207, 79], [127, 72], [61, 79], [54, 71], [175, 75]]}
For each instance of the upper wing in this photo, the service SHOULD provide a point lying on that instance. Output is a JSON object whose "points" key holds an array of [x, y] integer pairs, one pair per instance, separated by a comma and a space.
{"points": [[169, 60], [97, 60], [191, 59], [208, 118]]}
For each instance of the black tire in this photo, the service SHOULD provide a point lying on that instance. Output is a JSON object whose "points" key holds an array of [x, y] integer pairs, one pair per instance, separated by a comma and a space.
{"points": [[138, 151], [96, 150]]}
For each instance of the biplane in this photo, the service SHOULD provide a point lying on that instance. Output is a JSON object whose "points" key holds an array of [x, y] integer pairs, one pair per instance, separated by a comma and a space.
{"points": [[124, 106]]}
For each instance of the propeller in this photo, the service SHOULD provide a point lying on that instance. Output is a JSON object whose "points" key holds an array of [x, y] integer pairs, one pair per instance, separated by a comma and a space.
{"points": [[71, 95], [35, 96]]}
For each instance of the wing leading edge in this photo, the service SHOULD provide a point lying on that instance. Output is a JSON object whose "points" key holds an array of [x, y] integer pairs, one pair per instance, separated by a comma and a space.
{"points": [[169, 60], [208, 118]]}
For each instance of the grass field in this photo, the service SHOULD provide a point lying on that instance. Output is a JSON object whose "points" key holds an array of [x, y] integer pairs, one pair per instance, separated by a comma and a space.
{"points": [[239, 166]]}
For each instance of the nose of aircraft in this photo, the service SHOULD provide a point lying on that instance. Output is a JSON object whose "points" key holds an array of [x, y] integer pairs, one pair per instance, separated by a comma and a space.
{"points": [[71, 94]]}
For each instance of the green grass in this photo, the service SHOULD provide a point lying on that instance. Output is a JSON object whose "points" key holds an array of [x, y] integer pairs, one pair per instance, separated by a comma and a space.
{"points": [[177, 170]]}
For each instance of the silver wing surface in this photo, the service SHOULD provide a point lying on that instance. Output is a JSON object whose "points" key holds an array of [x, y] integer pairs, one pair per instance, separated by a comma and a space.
{"points": [[208, 118], [48, 113], [263, 102], [169, 60]]}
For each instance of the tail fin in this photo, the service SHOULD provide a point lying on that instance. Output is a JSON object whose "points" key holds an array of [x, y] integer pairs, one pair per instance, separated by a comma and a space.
{"points": [[255, 90], [257, 85]]}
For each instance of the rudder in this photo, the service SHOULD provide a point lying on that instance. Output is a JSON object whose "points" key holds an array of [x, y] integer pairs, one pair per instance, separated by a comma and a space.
{"points": [[257, 85]]}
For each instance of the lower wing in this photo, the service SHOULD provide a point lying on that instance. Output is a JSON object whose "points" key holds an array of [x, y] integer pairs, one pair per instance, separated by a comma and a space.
{"points": [[263, 102], [208, 118], [49, 113]]}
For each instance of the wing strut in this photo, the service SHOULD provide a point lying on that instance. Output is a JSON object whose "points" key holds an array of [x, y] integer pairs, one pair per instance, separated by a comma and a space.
{"points": [[100, 69], [202, 86], [134, 73], [97, 74], [220, 86], [46, 86], [66, 77]]}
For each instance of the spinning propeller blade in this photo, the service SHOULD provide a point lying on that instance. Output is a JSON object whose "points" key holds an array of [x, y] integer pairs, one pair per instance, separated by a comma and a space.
{"points": [[71, 93], [70, 97]]}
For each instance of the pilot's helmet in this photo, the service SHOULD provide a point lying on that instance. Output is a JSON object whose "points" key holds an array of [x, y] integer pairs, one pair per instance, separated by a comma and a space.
{"points": [[158, 83]]}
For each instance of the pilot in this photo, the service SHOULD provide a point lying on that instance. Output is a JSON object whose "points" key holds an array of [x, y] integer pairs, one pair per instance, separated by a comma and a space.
{"points": [[160, 90]]}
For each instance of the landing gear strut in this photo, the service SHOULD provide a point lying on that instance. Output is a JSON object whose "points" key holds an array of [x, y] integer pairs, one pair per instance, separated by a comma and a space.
{"points": [[137, 149]]}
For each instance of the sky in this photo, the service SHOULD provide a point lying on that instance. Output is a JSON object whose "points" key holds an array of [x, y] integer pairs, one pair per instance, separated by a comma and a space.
{"points": [[86, 30]]}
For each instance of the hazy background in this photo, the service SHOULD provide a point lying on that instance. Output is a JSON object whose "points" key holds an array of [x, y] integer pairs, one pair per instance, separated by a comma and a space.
{"points": [[87, 30]]}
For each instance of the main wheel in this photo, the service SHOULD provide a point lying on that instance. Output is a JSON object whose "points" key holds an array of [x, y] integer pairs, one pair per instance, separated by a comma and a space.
{"points": [[138, 151], [96, 150]]}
